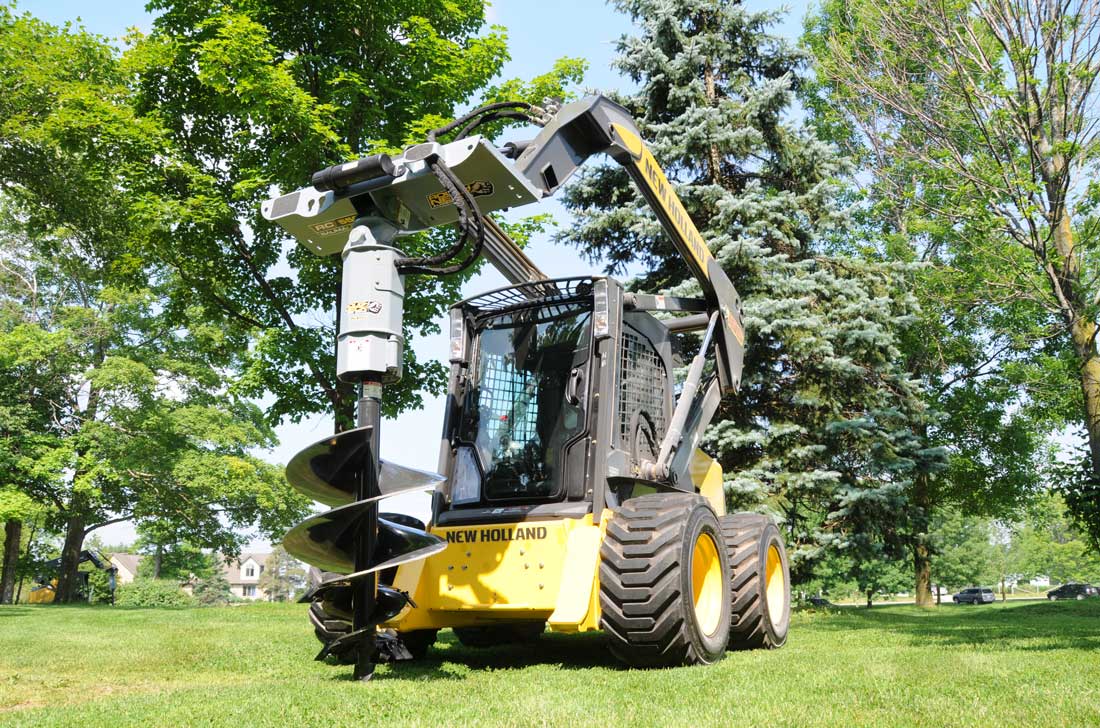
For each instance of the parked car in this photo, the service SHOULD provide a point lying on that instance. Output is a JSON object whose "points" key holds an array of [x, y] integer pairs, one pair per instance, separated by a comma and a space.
{"points": [[1073, 591], [975, 595]]}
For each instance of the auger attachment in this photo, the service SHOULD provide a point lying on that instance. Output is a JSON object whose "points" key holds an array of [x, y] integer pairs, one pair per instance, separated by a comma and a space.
{"points": [[352, 543], [327, 541], [328, 471]]}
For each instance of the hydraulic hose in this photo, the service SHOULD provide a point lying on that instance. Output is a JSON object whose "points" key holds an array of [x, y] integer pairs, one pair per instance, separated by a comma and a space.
{"points": [[469, 219]]}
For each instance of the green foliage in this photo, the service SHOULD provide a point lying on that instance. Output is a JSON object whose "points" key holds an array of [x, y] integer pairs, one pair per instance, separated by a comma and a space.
{"points": [[181, 561], [965, 552], [822, 430], [860, 575], [213, 590], [282, 577], [118, 403], [1048, 543], [975, 157], [875, 574], [152, 593], [15, 505], [260, 95], [99, 586]]}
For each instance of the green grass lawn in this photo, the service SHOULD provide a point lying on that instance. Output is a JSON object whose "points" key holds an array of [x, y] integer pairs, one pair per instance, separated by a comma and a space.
{"points": [[1014, 664]]}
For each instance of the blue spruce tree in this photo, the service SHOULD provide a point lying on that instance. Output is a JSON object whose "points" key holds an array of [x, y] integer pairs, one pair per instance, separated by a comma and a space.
{"points": [[822, 432]]}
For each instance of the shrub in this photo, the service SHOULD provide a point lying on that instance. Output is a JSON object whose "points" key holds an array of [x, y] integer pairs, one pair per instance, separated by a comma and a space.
{"points": [[99, 587], [152, 593], [213, 591]]}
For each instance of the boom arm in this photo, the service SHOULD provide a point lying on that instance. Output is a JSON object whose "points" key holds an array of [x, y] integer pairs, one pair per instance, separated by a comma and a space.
{"points": [[596, 125]]}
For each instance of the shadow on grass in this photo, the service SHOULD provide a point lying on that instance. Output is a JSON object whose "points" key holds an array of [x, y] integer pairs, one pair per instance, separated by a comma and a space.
{"points": [[13, 611], [1039, 626], [449, 659]]}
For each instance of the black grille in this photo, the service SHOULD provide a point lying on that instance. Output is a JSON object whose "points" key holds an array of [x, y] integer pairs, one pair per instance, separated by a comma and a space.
{"points": [[642, 416], [551, 298], [507, 398]]}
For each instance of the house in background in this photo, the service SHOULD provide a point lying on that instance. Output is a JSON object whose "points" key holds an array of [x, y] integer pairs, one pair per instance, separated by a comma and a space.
{"points": [[243, 575], [127, 565]]}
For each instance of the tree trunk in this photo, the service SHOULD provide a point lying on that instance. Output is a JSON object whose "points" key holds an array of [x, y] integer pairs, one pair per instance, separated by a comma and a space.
{"points": [[27, 555], [868, 598], [158, 559], [714, 158], [1072, 294], [13, 532], [1084, 340], [922, 551], [922, 569], [70, 559]]}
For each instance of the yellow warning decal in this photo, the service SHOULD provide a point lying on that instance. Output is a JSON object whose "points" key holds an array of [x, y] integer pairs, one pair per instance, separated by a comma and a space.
{"points": [[363, 309], [734, 325], [331, 227], [477, 188], [662, 191]]}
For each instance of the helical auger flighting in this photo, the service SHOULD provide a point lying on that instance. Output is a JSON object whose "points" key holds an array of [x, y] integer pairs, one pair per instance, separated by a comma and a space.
{"points": [[330, 471]]}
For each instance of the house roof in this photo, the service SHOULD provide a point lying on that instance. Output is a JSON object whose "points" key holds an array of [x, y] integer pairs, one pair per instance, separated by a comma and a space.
{"points": [[127, 561], [233, 568]]}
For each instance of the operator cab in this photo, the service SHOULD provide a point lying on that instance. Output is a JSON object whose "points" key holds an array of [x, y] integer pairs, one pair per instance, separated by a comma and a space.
{"points": [[529, 398]]}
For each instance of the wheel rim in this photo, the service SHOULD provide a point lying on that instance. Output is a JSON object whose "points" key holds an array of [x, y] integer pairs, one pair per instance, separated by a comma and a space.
{"points": [[707, 587], [775, 585]]}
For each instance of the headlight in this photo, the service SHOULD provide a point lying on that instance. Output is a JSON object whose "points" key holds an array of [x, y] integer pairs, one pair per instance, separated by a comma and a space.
{"points": [[466, 486]]}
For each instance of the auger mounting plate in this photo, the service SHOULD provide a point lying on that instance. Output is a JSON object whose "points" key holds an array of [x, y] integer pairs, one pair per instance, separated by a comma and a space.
{"points": [[412, 201]]}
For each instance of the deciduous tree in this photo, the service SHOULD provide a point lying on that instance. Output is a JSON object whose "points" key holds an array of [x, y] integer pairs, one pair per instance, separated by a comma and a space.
{"points": [[979, 115], [258, 96], [135, 414], [282, 577]]}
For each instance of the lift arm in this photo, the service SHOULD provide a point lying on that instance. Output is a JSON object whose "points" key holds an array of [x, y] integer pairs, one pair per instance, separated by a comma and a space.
{"points": [[595, 125]]}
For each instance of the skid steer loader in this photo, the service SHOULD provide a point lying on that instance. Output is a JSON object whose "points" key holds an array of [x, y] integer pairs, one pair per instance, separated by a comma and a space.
{"points": [[571, 491]]}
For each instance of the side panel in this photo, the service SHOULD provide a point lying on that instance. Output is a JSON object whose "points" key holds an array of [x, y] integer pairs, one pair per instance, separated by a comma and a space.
{"points": [[578, 605], [706, 474], [515, 571], [43, 594]]}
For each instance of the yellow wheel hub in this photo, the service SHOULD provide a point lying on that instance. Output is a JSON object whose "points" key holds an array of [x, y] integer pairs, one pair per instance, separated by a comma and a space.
{"points": [[707, 584], [775, 584]]}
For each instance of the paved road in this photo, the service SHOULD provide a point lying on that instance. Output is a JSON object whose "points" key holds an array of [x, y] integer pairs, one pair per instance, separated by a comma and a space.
{"points": [[946, 602]]}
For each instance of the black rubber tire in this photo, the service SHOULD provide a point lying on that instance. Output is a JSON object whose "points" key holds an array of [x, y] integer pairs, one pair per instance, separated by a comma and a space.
{"points": [[418, 641], [493, 635], [646, 582], [328, 628], [748, 537]]}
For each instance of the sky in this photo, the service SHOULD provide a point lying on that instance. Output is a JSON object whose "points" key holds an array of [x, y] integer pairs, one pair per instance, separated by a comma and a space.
{"points": [[538, 34]]}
